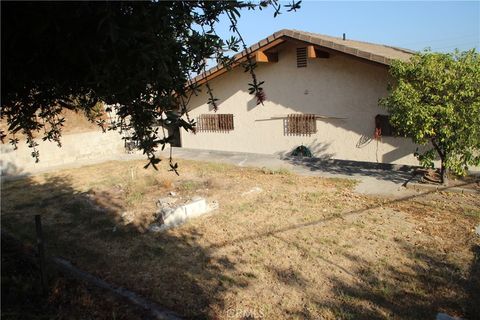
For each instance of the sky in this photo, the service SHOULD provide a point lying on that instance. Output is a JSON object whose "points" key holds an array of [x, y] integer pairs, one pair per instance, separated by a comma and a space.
{"points": [[442, 25]]}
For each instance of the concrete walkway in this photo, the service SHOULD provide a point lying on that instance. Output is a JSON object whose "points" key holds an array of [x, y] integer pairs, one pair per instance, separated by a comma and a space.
{"points": [[375, 179]]}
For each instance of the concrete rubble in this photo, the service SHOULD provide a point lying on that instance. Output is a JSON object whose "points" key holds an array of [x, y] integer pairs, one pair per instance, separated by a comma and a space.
{"points": [[128, 216], [172, 214], [254, 190]]}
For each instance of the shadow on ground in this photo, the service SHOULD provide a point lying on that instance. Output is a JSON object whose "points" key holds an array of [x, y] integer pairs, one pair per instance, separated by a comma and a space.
{"points": [[416, 290], [381, 171], [168, 268], [179, 273], [425, 286]]}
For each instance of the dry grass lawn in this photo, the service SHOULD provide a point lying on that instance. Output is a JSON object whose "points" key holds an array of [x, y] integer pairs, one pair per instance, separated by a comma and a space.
{"points": [[303, 248]]}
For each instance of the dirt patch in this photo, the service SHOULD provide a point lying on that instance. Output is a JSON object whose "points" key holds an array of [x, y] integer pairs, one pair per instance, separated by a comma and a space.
{"points": [[303, 247], [431, 177], [75, 122]]}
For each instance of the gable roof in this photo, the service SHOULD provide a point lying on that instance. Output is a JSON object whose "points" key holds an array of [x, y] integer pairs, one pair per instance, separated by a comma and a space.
{"points": [[378, 53]]}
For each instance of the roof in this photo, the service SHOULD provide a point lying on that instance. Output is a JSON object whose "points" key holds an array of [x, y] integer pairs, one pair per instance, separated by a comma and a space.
{"points": [[378, 53]]}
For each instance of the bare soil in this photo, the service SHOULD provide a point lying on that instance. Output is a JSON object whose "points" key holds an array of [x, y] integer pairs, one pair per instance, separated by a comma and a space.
{"points": [[302, 248], [432, 177], [75, 122]]}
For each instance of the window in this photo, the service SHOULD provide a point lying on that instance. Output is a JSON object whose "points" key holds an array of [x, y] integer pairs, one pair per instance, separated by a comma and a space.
{"points": [[383, 126], [215, 122], [302, 57], [301, 124]]}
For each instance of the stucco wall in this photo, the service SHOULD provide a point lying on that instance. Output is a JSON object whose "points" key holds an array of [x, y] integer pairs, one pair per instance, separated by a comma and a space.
{"points": [[339, 86]]}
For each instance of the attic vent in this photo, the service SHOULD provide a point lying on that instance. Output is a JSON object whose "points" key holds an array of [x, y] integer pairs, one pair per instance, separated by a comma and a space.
{"points": [[301, 57]]}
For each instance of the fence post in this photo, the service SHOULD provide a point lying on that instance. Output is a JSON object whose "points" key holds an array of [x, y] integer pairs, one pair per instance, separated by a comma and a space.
{"points": [[41, 253]]}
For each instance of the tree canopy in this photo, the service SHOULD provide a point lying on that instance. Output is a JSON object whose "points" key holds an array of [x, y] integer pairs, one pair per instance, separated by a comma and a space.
{"points": [[135, 56], [435, 101]]}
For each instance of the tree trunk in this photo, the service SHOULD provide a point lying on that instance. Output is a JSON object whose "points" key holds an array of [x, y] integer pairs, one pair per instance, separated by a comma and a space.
{"points": [[443, 173], [443, 156]]}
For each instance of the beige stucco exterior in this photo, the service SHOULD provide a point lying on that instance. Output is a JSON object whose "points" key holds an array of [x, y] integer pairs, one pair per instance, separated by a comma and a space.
{"points": [[340, 86]]}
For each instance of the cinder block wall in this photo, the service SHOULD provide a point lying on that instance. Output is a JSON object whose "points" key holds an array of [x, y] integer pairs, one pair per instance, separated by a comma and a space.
{"points": [[80, 148]]}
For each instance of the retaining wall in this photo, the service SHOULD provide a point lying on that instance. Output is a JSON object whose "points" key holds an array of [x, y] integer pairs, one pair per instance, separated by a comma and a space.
{"points": [[80, 148]]}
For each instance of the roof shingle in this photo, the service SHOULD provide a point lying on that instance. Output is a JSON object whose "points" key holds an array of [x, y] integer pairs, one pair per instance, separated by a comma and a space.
{"points": [[374, 52]]}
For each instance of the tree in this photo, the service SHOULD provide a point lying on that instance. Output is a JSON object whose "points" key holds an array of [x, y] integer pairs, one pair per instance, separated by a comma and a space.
{"points": [[436, 102], [134, 56]]}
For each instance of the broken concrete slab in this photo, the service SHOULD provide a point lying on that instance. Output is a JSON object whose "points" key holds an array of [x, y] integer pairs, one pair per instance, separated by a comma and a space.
{"points": [[154, 227], [166, 202], [171, 217], [196, 208]]}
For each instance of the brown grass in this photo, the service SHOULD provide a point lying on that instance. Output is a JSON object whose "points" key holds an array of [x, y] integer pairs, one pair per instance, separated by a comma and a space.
{"points": [[305, 247], [67, 298]]}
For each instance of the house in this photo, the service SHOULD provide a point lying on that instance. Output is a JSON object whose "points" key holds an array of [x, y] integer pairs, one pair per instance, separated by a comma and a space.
{"points": [[321, 92]]}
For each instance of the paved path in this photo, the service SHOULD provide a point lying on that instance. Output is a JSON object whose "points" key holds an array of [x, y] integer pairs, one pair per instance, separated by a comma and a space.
{"points": [[375, 179]]}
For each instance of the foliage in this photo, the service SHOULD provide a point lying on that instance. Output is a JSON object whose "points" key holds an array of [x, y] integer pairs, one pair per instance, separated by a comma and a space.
{"points": [[302, 151], [436, 102], [135, 56]]}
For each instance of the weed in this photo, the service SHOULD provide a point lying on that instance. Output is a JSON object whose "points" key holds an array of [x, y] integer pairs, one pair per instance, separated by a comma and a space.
{"points": [[217, 167], [385, 289], [283, 171], [343, 183], [113, 232], [246, 206], [146, 252], [213, 183], [189, 185], [150, 181], [134, 197], [358, 224], [381, 235], [341, 313], [328, 241], [312, 196], [337, 215], [280, 171], [226, 280], [472, 213], [345, 297]]}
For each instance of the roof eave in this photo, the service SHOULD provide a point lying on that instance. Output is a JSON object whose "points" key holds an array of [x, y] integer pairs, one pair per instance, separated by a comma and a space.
{"points": [[298, 36]]}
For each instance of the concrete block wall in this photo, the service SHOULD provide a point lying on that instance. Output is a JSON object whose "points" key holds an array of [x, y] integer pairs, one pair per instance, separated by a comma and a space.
{"points": [[80, 148]]}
